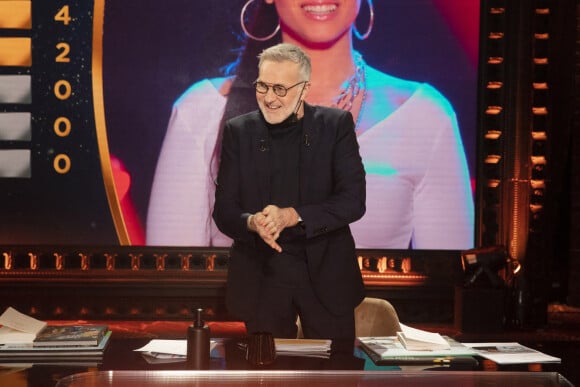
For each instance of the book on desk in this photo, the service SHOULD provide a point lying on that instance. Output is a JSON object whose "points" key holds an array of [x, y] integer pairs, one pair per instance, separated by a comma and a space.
{"points": [[23, 337], [414, 346], [417, 347], [511, 353], [27, 352], [70, 335], [388, 350]]}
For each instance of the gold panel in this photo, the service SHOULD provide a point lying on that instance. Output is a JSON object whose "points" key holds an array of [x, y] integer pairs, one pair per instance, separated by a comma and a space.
{"points": [[15, 14], [15, 51]]}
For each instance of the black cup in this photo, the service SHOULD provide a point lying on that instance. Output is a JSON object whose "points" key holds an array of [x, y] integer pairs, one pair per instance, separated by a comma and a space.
{"points": [[261, 350]]}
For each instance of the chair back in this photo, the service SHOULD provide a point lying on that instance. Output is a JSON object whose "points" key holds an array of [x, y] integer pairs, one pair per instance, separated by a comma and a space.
{"points": [[376, 317], [372, 317]]}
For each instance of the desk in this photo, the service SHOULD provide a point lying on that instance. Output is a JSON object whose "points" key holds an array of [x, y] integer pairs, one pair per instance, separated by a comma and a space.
{"points": [[124, 367]]}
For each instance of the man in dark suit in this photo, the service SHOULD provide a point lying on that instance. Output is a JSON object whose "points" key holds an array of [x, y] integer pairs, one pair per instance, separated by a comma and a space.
{"points": [[290, 182]]}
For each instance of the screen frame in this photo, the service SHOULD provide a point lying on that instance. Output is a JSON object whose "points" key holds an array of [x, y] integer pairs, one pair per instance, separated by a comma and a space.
{"points": [[113, 143]]}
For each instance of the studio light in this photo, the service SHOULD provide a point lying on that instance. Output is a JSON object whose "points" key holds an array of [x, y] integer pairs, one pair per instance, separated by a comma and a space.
{"points": [[488, 267]]}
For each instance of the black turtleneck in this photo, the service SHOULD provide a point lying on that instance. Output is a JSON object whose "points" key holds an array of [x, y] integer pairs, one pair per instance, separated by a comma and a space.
{"points": [[285, 158], [285, 143]]}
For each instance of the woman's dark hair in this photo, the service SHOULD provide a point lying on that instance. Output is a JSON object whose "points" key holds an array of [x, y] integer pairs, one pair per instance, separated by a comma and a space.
{"points": [[242, 96]]}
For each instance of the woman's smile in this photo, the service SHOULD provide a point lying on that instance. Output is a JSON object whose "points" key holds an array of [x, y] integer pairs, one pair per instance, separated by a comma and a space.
{"points": [[319, 11]]}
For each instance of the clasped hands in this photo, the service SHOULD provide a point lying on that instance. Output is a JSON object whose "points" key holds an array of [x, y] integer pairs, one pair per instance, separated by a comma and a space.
{"points": [[271, 221]]}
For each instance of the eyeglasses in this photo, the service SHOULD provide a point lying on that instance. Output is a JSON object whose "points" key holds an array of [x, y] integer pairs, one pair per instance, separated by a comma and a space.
{"points": [[279, 90]]}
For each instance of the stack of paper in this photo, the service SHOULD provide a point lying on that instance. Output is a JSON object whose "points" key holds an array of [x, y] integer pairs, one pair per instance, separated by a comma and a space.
{"points": [[303, 347]]}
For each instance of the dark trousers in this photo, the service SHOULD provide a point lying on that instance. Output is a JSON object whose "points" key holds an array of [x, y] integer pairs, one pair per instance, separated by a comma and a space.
{"points": [[287, 292]]}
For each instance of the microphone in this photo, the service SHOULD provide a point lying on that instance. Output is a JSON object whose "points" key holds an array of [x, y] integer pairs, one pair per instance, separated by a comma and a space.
{"points": [[294, 116], [263, 146], [306, 140]]}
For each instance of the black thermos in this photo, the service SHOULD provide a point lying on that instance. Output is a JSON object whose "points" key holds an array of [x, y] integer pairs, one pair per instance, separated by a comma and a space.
{"points": [[198, 344]]}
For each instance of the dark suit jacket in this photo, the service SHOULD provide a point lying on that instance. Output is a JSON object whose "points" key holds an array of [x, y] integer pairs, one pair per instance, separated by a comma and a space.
{"points": [[332, 195]]}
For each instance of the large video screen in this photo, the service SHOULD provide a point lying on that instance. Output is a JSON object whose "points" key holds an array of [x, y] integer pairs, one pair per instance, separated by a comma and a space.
{"points": [[111, 110]]}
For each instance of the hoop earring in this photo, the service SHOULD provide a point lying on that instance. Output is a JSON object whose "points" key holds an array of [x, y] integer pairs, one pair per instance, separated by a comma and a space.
{"points": [[248, 34], [371, 22]]}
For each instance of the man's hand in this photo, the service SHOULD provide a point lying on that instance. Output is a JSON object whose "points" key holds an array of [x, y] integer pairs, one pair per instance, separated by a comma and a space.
{"points": [[265, 229], [271, 221], [281, 217]]}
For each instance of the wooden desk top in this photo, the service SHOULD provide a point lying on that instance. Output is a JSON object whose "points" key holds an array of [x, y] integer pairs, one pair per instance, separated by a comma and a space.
{"points": [[312, 378], [228, 361]]}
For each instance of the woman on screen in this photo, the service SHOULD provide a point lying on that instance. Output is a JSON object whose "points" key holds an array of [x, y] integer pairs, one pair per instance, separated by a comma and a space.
{"points": [[418, 187]]}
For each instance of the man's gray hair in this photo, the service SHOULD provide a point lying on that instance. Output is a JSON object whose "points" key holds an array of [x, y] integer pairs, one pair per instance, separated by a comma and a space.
{"points": [[287, 52]]}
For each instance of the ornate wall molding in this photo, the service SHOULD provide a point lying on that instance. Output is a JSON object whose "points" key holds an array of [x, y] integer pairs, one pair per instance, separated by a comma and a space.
{"points": [[153, 283]]}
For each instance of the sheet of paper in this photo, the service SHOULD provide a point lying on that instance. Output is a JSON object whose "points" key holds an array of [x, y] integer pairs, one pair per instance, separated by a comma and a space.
{"points": [[12, 336], [13, 319], [417, 339], [511, 353], [169, 347]]}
